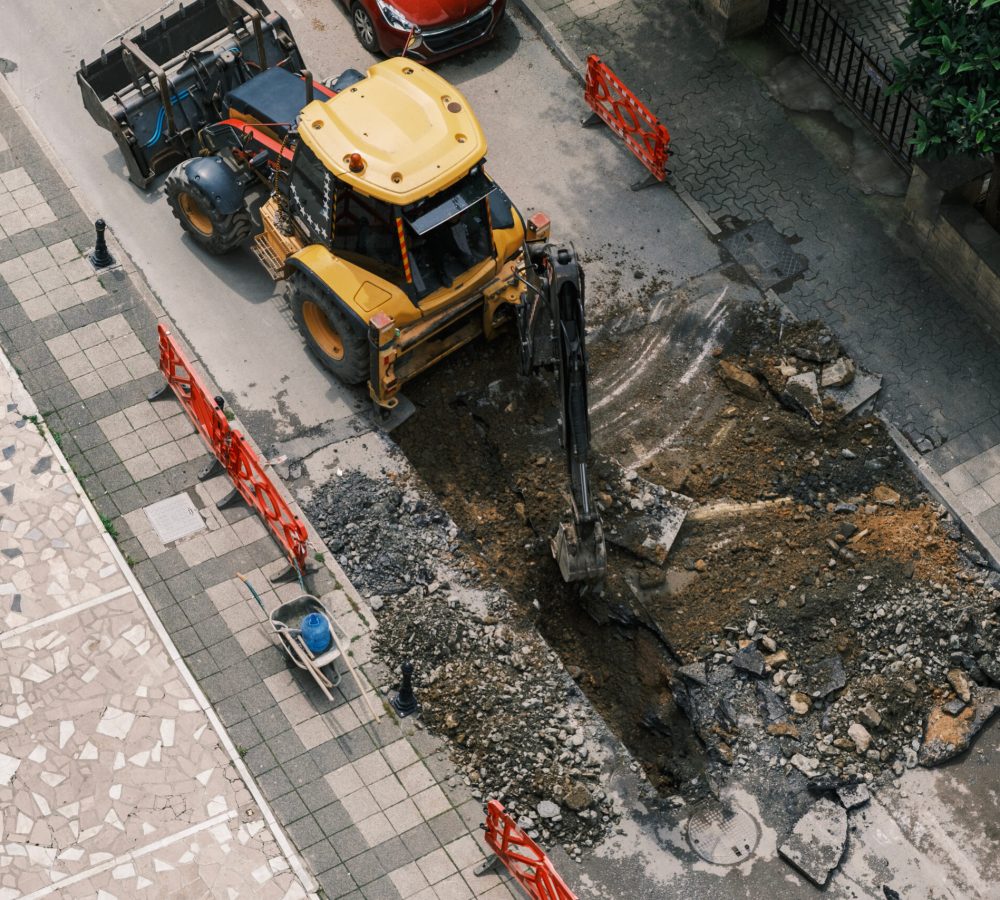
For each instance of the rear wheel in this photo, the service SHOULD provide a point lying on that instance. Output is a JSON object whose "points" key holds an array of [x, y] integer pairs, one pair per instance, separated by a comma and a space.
{"points": [[194, 208], [364, 27], [339, 344]]}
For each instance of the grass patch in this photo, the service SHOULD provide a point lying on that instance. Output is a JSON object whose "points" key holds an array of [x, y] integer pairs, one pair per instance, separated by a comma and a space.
{"points": [[109, 526]]}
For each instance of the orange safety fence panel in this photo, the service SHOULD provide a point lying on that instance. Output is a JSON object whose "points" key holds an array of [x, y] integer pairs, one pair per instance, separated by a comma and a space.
{"points": [[524, 859], [627, 116], [233, 451]]}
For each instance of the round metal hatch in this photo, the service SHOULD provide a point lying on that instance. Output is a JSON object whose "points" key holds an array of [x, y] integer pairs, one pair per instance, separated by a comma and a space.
{"points": [[723, 834]]}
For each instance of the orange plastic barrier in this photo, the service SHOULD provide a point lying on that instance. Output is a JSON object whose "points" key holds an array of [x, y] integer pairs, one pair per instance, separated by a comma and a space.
{"points": [[524, 859], [627, 117], [233, 452]]}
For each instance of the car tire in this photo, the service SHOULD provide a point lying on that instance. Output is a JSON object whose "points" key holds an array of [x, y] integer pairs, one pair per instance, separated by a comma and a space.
{"points": [[339, 344], [364, 27], [214, 231]]}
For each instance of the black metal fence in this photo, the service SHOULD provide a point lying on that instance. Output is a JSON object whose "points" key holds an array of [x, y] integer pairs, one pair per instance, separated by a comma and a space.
{"points": [[860, 77]]}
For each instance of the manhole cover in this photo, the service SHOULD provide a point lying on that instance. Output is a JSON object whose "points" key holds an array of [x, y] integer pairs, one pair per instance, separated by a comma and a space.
{"points": [[174, 518], [764, 254], [722, 834]]}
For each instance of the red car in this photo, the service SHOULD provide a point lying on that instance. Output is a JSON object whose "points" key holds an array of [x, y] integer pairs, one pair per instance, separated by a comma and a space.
{"points": [[429, 30]]}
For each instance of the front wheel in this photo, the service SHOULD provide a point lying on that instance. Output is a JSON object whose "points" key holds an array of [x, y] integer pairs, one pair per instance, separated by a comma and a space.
{"points": [[364, 27], [339, 344], [215, 231]]}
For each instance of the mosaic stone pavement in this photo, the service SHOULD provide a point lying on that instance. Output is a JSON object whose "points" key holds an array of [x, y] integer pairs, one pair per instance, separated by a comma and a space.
{"points": [[113, 782]]}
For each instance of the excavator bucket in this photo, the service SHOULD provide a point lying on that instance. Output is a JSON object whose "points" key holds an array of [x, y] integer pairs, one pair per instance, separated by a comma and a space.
{"points": [[160, 83], [580, 557]]}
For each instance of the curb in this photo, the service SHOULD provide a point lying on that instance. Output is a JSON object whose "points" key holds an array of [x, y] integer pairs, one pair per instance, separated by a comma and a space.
{"points": [[550, 35], [306, 879], [936, 485]]}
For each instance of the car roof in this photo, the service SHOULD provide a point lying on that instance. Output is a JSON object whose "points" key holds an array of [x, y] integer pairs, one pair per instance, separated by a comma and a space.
{"points": [[414, 131]]}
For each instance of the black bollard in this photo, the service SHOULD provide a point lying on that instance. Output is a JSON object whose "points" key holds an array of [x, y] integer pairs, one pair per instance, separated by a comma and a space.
{"points": [[100, 258], [404, 702]]}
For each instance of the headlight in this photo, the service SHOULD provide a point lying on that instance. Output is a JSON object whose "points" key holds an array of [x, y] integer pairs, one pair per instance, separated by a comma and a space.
{"points": [[394, 17]]}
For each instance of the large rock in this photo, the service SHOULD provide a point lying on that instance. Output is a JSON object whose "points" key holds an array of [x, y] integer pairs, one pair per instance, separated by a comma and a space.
{"points": [[801, 393], [948, 735], [838, 373], [816, 844], [577, 797], [859, 734], [741, 382]]}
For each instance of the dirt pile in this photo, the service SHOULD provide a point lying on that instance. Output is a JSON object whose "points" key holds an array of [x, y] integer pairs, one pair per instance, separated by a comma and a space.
{"points": [[823, 627], [810, 554]]}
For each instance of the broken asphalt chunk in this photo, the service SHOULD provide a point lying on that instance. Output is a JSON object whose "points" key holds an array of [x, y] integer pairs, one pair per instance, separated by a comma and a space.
{"points": [[828, 676], [816, 844], [694, 672], [853, 795], [749, 659]]}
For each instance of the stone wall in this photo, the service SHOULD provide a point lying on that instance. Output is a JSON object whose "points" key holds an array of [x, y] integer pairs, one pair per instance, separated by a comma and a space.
{"points": [[952, 235], [732, 18]]}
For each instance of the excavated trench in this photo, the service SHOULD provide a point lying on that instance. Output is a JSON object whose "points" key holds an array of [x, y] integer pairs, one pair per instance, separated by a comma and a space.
{"points": [[485, 440]]}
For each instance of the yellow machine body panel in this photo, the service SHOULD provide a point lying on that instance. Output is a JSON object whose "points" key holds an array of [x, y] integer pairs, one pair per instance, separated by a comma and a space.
{"points": [[365, 293], [414, 132]]}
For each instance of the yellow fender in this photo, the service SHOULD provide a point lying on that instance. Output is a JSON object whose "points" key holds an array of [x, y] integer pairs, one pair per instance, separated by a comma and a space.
{"points": [[354, 290]]}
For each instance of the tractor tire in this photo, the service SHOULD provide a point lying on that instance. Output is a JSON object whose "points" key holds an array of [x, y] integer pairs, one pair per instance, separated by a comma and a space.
{"points": [[214, 231], [339, 344], [364, 28]]}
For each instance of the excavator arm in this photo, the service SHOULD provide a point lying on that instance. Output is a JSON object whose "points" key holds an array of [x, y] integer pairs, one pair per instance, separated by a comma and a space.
{"points": [[552, 332]]}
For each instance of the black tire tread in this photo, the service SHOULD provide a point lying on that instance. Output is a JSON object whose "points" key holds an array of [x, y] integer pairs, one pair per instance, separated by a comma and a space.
{"points": [[228, 230], [354, 367]]}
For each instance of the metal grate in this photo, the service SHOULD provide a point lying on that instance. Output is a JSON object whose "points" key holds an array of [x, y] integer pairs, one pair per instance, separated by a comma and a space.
{"points": [[268, 258], [765, 255], [723, 834], [859, 76]]}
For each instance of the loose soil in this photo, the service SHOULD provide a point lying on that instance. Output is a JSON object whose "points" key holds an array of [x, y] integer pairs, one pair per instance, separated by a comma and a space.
{"points": [[845, 559]]}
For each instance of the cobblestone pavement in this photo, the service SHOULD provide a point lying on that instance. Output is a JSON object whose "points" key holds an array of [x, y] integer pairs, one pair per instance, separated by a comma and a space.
{"points": [[113, 780], [879, 23], [374, 807], [735, 151]]}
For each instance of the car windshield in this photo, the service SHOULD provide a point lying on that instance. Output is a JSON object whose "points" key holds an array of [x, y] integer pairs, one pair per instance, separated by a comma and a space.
{"points": [[448, 234]]}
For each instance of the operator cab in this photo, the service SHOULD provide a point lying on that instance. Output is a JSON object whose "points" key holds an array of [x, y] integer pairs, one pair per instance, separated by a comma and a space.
{"points": [[420, 247]]}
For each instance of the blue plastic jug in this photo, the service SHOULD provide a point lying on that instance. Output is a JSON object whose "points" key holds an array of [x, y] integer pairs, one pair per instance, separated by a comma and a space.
{"points": [[316, 633]]}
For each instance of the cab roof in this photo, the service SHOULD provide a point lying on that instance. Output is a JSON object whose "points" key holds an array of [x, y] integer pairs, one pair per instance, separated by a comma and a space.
{"points": [[414, 131]]}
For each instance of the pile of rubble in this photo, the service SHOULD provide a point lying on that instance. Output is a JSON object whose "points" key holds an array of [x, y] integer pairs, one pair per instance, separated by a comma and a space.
{"points": [[518, 728]]}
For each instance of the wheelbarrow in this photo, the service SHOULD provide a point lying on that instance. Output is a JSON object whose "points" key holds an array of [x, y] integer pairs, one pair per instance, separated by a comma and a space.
{"points": [[287, 619]]}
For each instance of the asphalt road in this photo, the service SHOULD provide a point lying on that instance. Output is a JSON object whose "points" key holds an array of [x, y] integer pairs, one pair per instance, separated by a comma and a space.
{"points": [[230, 311]]}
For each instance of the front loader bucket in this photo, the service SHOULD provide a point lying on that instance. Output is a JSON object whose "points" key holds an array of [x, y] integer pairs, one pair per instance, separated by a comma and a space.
{"points": [[161, 83], [580, 553]]}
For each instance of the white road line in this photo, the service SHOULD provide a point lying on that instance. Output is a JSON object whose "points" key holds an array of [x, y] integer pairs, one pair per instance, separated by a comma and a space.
{"points": [[132, 855], [64, 613]]}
